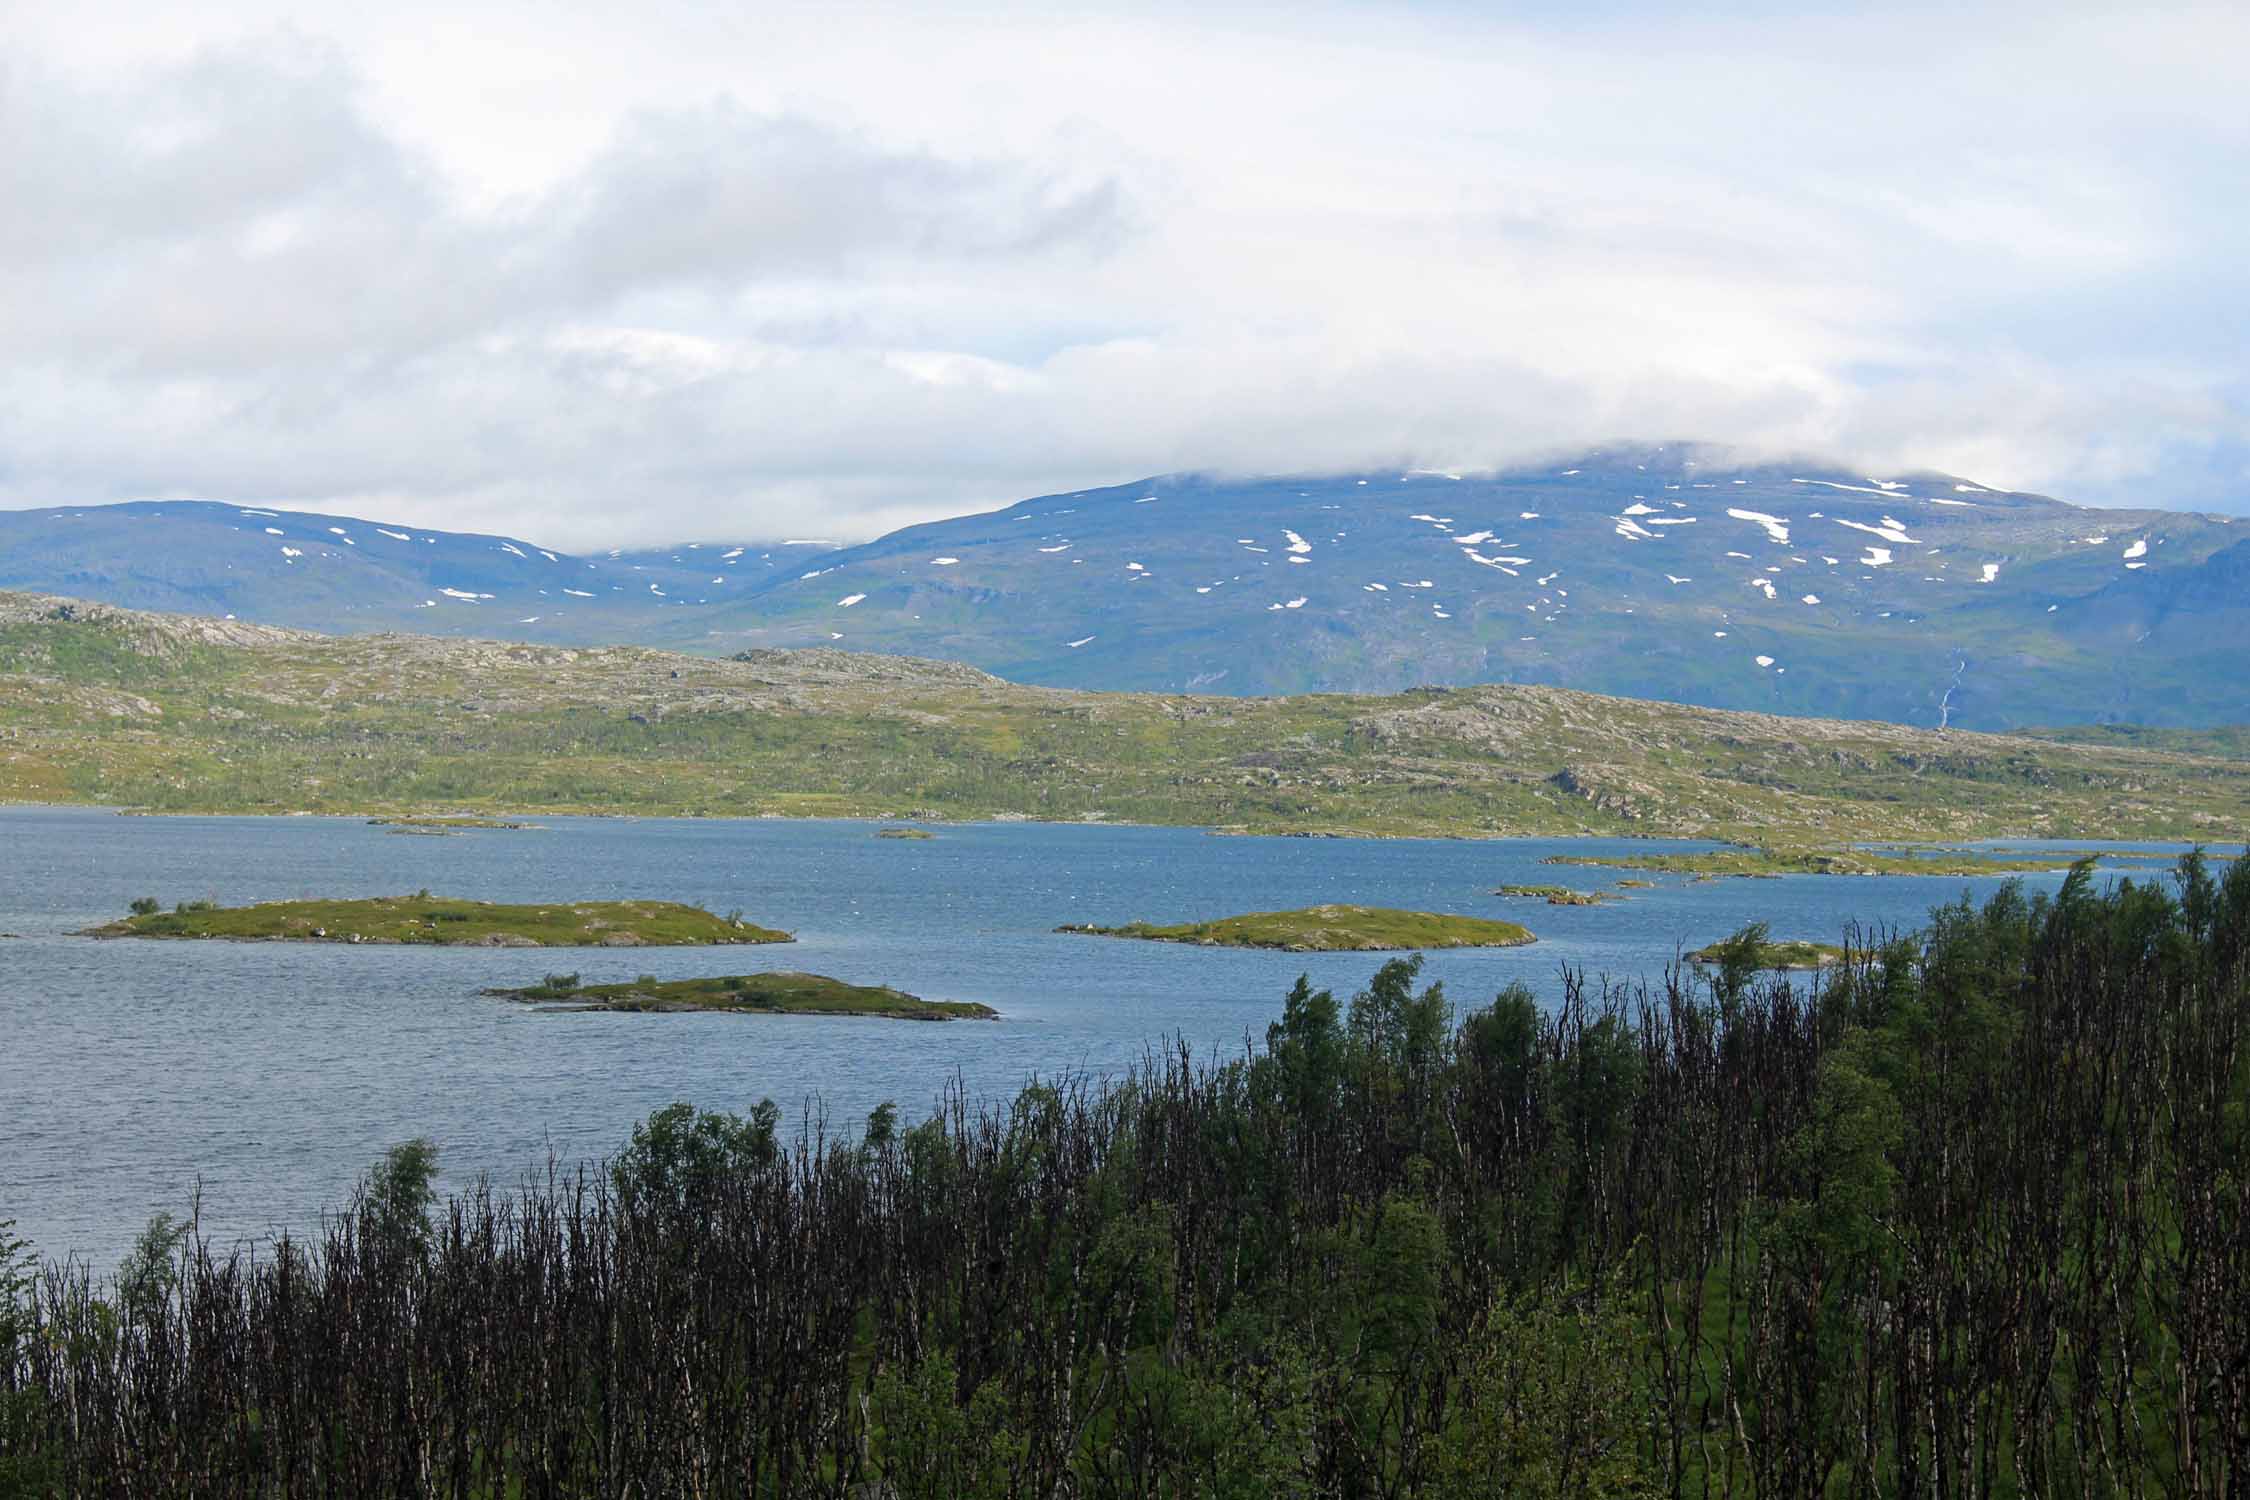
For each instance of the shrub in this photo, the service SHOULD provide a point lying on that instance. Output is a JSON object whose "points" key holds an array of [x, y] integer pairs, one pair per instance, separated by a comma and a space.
{"points": [[145, 906], [184, 907]]}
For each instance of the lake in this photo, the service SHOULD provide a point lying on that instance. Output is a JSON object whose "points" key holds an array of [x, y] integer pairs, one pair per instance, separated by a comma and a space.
{"points": [[273, 1074]]}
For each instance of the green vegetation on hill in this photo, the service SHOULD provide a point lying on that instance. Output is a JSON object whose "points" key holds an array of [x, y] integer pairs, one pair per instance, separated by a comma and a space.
{"points": [[179, 714], [1327, 929], [780, 993], [447, 923], [1966, 1219]]}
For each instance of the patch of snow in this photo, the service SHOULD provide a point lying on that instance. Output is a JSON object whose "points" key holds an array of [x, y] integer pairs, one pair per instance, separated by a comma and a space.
{"points": [[1962, 503], [1991, 571], [275, 531], [1674, 579], [1889, 531], [463, 594], [273, 515], [1297, 543], [2138, 549], [512, 547], [1764, 583], [1877, 557], [1812, 599], [849, 600], [291, 552], [1527, 515], [1472, 538], [578, 593], [1776, 527], [396, 536], [1065, 547], [1763, 661], [1861, 488], [943, 562]]}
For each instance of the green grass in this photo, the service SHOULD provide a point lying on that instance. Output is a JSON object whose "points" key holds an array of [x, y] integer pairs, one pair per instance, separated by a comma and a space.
{"points": [[754, 994], [1795, 953], [450, 923], [1325, 929], [1557, 895]]}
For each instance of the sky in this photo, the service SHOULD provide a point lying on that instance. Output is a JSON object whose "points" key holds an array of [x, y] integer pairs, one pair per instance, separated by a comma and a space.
{"points": [[625, 274]]}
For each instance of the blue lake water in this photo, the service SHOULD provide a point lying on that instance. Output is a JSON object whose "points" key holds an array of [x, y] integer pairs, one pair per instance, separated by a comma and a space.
{"points": [[273, 1074]]}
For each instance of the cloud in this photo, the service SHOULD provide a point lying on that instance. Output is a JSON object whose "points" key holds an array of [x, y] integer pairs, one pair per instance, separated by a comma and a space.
{"points": [[599, 276]]}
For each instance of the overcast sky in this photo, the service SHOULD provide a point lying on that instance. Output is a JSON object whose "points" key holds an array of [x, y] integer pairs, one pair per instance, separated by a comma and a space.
{"points": [[650, 271]]}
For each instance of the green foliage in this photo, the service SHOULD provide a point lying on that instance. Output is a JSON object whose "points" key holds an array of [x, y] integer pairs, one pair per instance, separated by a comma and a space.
{"points": [[27, 1466], [1553, 1403], [144, 906], [397, 1196], [150, 1272], [682, 1157]]}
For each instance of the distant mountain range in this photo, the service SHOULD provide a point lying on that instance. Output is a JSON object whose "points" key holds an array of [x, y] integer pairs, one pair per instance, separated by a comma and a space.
{"points": [[1661, 572], [348, 575]]}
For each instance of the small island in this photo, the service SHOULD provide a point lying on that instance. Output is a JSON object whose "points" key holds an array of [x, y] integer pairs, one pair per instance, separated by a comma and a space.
{"points": [[444, 922], [904, 833], [775, 994], [1792, 953], [1326, 929], [1557, 895], [442, 823]]}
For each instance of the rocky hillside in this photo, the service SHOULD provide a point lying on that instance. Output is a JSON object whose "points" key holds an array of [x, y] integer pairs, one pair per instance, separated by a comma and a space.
{"points": [[174, 713]]}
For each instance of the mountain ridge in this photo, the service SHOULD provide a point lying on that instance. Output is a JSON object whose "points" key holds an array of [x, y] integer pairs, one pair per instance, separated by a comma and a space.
{"points": [[1664, 572]]}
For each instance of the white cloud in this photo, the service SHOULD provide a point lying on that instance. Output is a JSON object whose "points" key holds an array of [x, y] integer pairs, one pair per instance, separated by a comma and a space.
{"points": [[600, 275]]}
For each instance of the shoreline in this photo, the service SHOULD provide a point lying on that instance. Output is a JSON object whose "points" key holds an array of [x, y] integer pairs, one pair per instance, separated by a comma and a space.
{"points": [[1210, 830]]}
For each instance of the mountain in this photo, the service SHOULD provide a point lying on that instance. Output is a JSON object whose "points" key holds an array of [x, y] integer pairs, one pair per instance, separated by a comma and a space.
{"points": [[1667, 572], [345, 573], [180, 713], [1664, 573]]}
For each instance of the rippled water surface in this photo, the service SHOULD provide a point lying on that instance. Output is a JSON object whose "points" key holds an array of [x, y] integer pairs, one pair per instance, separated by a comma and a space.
{"points": [[272, 1074]]}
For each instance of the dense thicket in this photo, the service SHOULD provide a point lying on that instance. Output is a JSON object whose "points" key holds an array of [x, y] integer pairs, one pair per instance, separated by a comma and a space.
{"points": [[1963, 1217]]}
